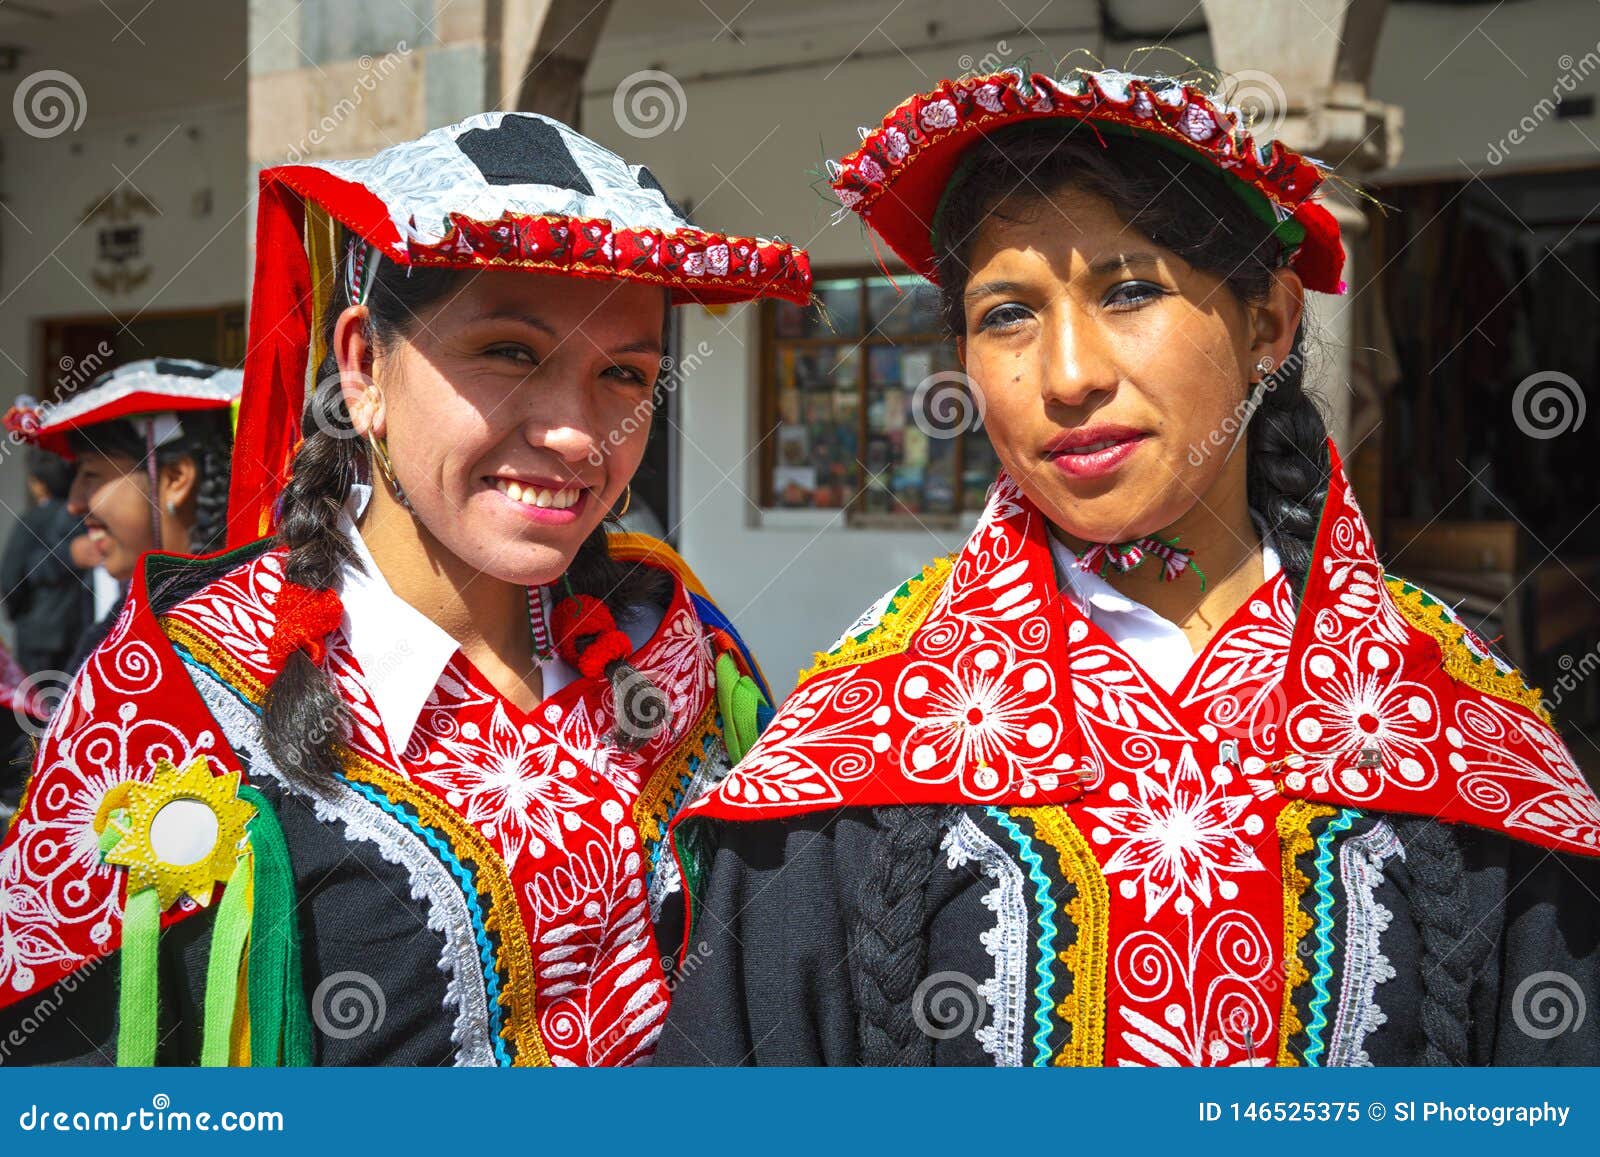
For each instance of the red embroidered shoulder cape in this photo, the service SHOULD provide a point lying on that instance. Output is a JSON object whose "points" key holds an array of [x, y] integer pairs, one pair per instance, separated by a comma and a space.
{"points": [[566, 851], [981, 685]]}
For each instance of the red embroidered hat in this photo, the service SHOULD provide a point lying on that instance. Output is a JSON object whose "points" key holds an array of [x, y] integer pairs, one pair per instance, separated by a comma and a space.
{"points": [[499, 190], [898, 176], [154, 393]]}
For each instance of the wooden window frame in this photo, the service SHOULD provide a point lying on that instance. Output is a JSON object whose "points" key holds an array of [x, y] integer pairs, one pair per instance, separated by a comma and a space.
{"points": [[853, 508]]}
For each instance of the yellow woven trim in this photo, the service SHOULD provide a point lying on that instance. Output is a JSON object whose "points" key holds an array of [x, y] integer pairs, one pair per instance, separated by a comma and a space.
{"points": [[1459, 661], [1294, 838], [893, 631], [322, 244], [651, 808], [515, 952], [1084, 1008]]}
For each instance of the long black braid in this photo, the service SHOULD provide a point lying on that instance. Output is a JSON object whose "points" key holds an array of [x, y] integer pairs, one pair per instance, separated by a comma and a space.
{"points": [[889, 943], [303, 717], [1450, 961]]}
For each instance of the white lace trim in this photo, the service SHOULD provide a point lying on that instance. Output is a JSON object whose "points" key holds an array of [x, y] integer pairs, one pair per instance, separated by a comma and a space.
{"points": [[1006, 991], [431, 882], [1361, 861]]}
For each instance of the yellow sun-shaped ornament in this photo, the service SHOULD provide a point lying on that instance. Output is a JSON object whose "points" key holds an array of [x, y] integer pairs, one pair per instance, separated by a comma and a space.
{"points": [[182, 832]]}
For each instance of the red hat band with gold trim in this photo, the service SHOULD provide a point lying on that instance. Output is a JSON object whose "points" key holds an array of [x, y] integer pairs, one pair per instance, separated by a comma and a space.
{"points": [[896, 179], [501, 190]]}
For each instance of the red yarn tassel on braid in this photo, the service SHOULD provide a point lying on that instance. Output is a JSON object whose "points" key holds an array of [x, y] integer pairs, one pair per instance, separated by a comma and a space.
{"points": [[306, 618], [587, 636]]}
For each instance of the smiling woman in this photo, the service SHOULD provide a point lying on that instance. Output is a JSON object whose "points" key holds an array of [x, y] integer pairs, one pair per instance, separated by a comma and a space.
{"points": [[1257, 803], [447, 710]]}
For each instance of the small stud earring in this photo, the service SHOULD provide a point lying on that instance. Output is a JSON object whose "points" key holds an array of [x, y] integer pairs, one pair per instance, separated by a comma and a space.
{"points": [[1265, 365], [172, 507]]}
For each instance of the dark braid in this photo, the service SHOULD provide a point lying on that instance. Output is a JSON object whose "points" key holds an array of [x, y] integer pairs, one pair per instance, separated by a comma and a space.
{"points": [[1439, 904], [209, 437], [1286, 447], [303, 717], [889, 942]]}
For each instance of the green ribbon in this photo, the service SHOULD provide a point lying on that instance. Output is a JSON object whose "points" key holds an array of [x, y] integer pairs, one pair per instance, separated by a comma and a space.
{"points": [[280, 1025], [228, 936], [739, 700], [139, 1001]]}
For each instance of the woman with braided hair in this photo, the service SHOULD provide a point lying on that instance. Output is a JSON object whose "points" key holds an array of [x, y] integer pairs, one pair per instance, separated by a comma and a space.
{"points": [[388, 781], [150, 442], [1161, 768]]}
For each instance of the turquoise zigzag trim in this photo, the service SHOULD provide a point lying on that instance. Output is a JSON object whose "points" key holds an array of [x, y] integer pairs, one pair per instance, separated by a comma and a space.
{"points": [[469, 891], [1324, 957], [1043, 1006], [465, 879]]}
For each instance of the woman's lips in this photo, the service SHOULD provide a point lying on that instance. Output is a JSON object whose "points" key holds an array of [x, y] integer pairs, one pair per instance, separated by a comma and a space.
{"points": [[548, 506], [1096, 459]]}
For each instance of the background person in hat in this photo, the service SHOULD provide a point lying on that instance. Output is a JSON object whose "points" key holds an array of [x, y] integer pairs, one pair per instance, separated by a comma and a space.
{"points": [[148, 445], [438, 715], [1161, 768]]}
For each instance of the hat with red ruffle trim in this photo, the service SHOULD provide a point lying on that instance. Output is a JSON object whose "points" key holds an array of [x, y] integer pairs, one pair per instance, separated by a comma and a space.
{"points": [[501, 190], [153, 393], [898, 176]]}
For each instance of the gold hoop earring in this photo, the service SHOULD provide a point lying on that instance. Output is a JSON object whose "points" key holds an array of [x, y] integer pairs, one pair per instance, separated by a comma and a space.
{"points": [[380, 452], [627, 501]]}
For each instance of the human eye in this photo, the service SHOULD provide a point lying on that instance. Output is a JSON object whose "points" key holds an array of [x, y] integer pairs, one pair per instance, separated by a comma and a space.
{"points": [[1128, 295], [1004, 318]]}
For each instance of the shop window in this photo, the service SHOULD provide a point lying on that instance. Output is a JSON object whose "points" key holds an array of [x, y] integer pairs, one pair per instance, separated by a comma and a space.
{"points": [[863, 407]]}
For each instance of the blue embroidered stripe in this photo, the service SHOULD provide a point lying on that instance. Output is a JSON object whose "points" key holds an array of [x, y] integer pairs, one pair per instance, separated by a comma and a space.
{"points": [[1318, 1025], [464, 877], [469, 892], [1044, 1007], [678, 800]]}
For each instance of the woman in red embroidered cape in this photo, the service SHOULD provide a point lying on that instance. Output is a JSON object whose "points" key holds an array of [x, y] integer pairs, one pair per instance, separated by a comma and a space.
{"points": [[388, 785], [1256, 802]]}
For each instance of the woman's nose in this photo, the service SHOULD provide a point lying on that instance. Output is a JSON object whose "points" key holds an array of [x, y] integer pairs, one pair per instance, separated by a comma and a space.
{"points": [[1078, 364]]}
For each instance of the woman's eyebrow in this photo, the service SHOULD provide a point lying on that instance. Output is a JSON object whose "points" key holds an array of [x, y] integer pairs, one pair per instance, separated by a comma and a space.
{"points": [[1116, 261], [516, 315], [984, 288]]}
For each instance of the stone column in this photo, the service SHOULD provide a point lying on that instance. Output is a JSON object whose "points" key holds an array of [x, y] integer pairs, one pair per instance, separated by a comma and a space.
{"points": [[1305, 66]]}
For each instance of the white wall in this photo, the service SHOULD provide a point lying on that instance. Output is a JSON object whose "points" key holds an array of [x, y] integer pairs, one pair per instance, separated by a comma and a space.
{"points": [[1467, 77]]}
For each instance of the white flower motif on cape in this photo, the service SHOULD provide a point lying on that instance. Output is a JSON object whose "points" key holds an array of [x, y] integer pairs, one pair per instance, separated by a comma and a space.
{"points": [[1359, 700], [982, 717], [1179, 837], [513, 784]]}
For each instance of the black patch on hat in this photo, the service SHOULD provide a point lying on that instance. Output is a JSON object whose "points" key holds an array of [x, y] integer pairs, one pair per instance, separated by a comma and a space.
{"points": [[524, 150], [647, 180]]}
